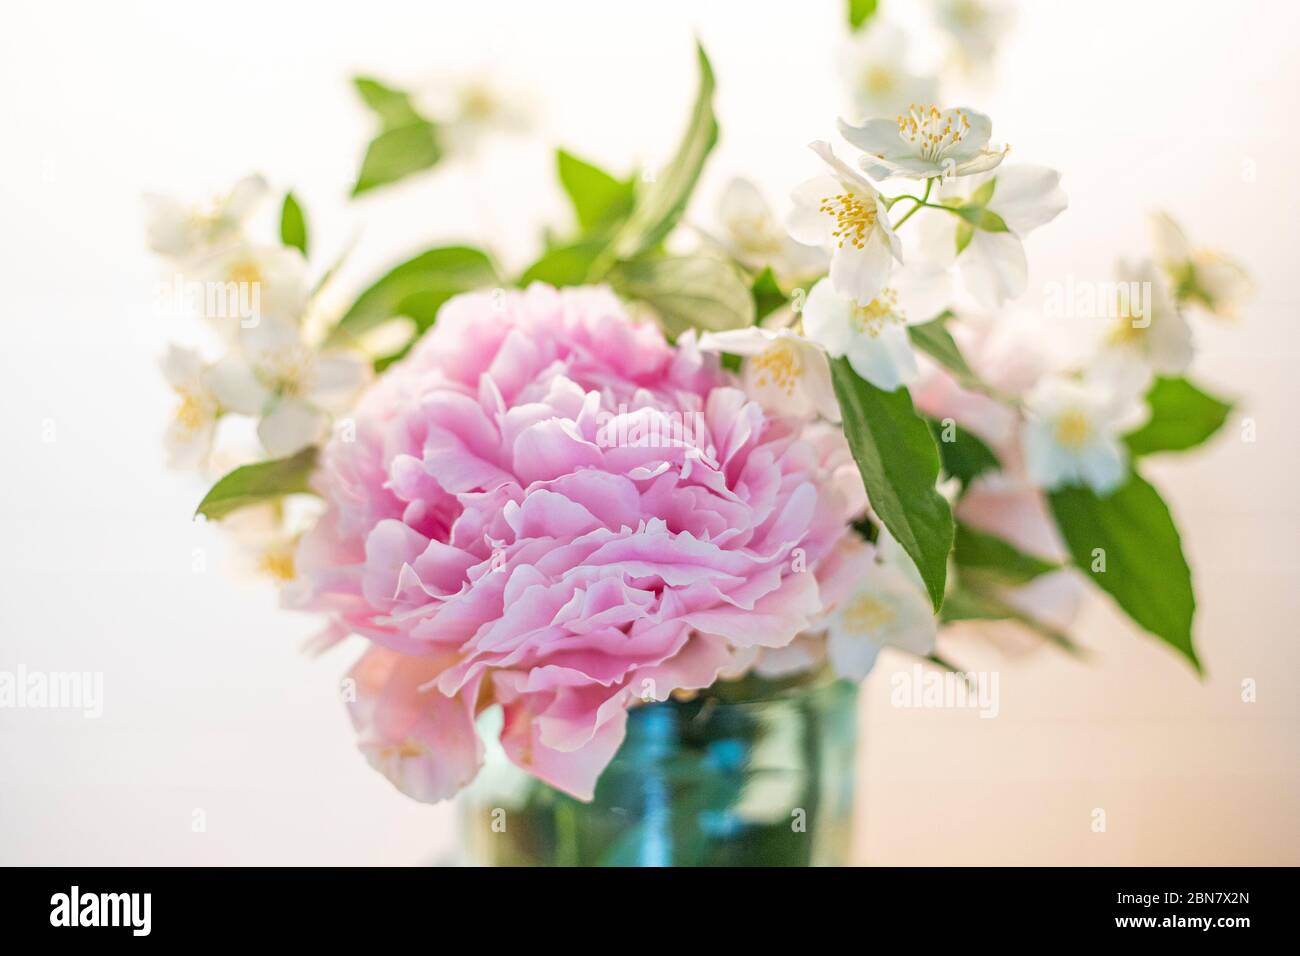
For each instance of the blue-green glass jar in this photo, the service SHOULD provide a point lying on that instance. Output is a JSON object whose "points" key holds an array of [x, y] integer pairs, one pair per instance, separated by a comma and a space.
{"points": [[751, 773]]}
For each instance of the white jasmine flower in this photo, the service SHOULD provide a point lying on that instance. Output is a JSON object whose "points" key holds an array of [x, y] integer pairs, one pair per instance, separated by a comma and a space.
{"points": [[926, 142], [844, 212], [874, 337], [873, 65], [471, 110], [249, 283], [1201, 277], [267, 542], [974, 28], [754, 237], [1148, 325], [992, 263], [888, 607], [188, 439], [782, 371], [180, 231], [1072, 434], [292, 388]]}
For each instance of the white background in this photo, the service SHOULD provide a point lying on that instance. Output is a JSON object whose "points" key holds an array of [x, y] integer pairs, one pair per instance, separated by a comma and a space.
{"points": [[209, 704]]}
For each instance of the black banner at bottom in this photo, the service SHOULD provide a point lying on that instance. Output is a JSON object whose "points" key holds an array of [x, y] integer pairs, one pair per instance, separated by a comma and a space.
{"points": [[339, 907]]}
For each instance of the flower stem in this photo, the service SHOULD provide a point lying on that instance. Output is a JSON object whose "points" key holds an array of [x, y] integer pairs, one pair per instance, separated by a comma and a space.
{"points": [[919, 202]]}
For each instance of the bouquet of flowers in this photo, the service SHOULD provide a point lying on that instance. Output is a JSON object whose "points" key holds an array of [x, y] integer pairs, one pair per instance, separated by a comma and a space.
{"points": [[670, 466]]}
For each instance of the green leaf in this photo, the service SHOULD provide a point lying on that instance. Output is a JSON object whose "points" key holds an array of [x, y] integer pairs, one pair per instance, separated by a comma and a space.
{"points": [[965, 233], [407, 142], [983, 195], [564, 265], [768, 296], [899, 462], [1182, 417], [987, 555], [972, 604], [392, 106], [600, 201], [687, 292], [934, 339], [660, 205], [253, 484], [980, 218], [964, 456], [397, 153], [293, 224], [417, 289], [860, 11], [1128, 543]]}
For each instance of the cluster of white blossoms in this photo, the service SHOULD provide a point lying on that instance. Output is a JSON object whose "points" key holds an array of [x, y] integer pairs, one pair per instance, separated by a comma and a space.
{"points": [[264, 364], [882, 73], [854, 298], [256, 299], [843, 226], [1076, 422], [972, 213]]}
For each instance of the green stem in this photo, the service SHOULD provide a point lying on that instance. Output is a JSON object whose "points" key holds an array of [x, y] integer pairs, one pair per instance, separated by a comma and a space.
{"points": [[919, 202]]}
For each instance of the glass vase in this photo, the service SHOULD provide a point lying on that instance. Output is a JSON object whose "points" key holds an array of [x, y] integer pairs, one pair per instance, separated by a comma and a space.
{"points": [[751, 773]]}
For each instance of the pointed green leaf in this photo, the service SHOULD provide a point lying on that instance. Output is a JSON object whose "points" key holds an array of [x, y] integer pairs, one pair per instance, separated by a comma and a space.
{"points": [[407, 142], [564, 265], [392, 106], [397, 153], [965, 233], [987, 555], [899, 462], [600, 201], [417, 289], [1182, 417], [965, 457], [1128, 544], [934, 339], [687, 292], [983, 195], [293, 224], [971, 604], [768, 296], [661, 202], [254, 484], [981, 218], [860, 11]]}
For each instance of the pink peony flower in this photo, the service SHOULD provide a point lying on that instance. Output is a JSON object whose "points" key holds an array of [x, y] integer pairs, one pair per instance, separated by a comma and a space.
{"points": [[548, 507]]}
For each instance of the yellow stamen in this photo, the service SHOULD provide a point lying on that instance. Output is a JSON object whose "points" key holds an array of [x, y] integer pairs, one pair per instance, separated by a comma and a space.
{"points": [[779, 366], [290, 371], [854, 215], [867, 614], [883, 310], [933, 132], [245, 273], [1127, 330], [878, 81], [278, 565], [189, 414], [1073, 430]]}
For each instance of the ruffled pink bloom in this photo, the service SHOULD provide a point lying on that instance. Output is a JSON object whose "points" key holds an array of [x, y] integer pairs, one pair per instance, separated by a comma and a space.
{"points": [[548, 507]]}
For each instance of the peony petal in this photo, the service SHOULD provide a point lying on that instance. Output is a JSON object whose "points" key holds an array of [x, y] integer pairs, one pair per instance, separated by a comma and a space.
{"points": [[421, 740]]}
